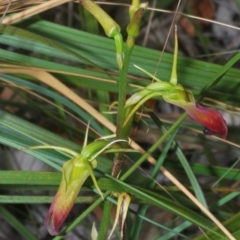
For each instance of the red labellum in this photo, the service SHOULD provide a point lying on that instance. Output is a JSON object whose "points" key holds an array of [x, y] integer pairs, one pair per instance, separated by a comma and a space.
{"points": [[211, 119]]}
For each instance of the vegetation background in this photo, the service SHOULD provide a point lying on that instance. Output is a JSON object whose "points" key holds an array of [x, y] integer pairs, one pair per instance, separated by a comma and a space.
{"points": [[56, 63]]}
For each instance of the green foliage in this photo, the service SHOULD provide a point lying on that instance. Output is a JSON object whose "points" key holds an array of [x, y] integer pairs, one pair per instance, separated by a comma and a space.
{"points": [[83, 60]]}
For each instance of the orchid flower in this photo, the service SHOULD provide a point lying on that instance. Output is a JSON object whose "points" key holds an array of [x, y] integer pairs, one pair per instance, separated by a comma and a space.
{"points": [[211, 119], [74, 174], [176, 94]]}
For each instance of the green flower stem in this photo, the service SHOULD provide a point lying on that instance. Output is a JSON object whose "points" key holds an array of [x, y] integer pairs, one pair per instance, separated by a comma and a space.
{"points": [[133, 31], [120, 133], [122, 90]]}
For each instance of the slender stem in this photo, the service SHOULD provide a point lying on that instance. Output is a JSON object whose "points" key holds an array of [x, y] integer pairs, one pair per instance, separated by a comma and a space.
{"points": [[122, 90]]}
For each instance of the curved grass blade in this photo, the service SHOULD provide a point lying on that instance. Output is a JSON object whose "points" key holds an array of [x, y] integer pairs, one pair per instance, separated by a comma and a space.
{"points": [[15, 223], [17, 37]]}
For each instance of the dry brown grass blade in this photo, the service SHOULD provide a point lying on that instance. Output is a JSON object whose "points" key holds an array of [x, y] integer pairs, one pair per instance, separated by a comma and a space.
{"points": [[53, 82], [14, 5], [32, 11]]}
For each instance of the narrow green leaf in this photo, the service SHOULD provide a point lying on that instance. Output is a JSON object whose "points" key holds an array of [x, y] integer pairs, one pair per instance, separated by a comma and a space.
{"points": [[103, 230], [196, 187], [15, 223], [101, 51], [135, 230], [38, 199], [232, 224], [171, 206], [17, 37]]}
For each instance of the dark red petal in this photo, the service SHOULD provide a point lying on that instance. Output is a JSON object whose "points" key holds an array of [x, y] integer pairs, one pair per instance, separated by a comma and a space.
{"points": [[57, 214], [211, 119]]}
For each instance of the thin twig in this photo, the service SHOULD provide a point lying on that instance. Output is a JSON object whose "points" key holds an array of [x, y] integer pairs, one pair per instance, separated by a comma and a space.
{"points": [[149, 25]]}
